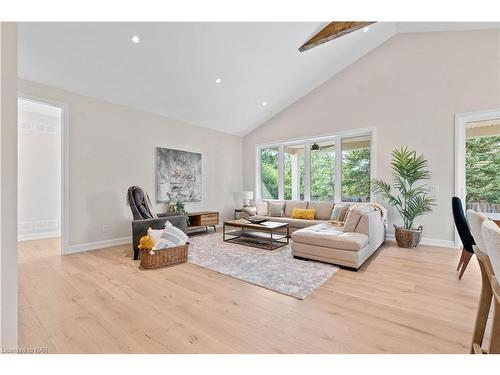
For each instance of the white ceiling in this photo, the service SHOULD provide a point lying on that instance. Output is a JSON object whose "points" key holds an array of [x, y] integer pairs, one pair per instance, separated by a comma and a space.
{"points": [[172, 71]]}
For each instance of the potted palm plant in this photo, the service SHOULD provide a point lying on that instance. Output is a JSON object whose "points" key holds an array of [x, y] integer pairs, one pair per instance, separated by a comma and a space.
{"points": [[412, 198]]}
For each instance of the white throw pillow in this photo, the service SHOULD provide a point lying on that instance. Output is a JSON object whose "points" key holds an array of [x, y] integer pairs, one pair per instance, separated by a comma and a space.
{"points": [[155, 234], [171, 237], [168, 237], [261, 208]]}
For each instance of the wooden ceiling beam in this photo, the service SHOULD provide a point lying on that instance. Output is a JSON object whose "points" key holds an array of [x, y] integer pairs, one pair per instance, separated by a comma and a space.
{"points": [[332, 31]]}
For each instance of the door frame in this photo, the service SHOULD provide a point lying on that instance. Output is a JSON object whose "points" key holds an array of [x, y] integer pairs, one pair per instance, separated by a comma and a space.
{"points": [[461, 120], [64, 163]]}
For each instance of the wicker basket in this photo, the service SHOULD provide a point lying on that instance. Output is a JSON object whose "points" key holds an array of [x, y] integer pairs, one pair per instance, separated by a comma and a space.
{"points": [[408, 237], [164, 257]]}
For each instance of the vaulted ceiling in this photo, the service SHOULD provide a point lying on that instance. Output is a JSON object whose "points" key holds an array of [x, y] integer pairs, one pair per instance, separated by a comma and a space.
{"points": [[173, 70]]}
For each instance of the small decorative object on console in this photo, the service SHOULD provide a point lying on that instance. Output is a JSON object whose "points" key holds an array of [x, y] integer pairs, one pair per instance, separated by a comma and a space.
{"points": [[256, 219]]}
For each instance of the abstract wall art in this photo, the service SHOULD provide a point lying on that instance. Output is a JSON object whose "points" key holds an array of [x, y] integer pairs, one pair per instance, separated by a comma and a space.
{"points": [[178, 176]]}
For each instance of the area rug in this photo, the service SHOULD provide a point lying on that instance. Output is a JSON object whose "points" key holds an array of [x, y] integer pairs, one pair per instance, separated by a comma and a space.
{"points": [[276, 270]]}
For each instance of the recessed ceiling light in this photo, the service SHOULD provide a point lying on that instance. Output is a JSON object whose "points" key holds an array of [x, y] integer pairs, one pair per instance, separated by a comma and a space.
{"points": [[366, 29], [264, 104], [218, 80], [135, 39]]}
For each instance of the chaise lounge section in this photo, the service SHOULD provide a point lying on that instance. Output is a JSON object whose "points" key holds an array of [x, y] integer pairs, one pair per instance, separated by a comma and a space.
{"points": [[348, 246]]}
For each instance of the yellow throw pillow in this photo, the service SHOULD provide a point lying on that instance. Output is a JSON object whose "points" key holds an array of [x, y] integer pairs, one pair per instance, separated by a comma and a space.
{"points": [[303, 213]]}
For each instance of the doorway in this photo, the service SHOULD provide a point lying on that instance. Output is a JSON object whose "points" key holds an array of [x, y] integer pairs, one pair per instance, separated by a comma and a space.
{"points": [[477, 162], [41, 172]]}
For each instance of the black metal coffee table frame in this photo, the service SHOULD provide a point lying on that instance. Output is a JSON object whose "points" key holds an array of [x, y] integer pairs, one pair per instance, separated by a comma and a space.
{"points": [[268, 235]]}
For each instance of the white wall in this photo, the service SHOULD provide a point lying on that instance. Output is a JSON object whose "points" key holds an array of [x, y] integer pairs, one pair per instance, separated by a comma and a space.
{"points": [[8, 185], [39, 173], [409, 89], [112, 147]]}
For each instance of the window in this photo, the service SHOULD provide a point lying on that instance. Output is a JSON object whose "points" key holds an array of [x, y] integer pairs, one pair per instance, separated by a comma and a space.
{"points": [[323, 171], [482, 166], [356, 169], [293, 159], [269, 172], [332, 168]]}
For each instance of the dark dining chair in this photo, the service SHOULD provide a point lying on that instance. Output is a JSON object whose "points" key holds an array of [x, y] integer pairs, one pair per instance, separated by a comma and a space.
{"points": [[464, 233]]}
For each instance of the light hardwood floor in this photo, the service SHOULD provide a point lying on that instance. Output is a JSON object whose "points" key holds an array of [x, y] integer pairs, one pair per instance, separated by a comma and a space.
{"points": [[401, 301]]}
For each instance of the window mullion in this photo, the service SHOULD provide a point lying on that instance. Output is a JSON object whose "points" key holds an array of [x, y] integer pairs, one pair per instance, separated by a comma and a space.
{"points": [[307, 171], [281, 173], [338, 170]]}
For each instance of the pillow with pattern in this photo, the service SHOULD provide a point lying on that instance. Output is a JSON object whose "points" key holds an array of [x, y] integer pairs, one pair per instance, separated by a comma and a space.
{"points": [[169, 237]]}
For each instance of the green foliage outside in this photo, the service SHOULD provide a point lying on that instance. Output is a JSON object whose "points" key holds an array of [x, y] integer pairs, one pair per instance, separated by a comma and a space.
{"points": [[322, 175], [482, 169], [269, 173], [355, 174]]}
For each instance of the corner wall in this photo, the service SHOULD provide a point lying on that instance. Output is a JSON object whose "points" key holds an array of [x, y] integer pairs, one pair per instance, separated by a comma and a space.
{"points": [[409, 90], [8, 185], [112, 147]]}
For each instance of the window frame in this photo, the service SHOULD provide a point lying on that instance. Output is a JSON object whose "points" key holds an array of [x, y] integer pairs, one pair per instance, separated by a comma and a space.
{"points": [[337, 138]]}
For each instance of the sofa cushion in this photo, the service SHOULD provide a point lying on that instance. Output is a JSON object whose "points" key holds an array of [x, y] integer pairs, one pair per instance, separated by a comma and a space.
{"points": [[261, 208], [290, 205], [327, 235], [354, 215], [323, 209], [276, 209], [303, 213]]}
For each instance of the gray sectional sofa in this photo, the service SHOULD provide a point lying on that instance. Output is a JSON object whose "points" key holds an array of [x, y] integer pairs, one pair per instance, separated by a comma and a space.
{"points": [[349, 246]]}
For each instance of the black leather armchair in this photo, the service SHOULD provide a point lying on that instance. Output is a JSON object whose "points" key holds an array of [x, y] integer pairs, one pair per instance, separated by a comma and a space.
{"points": [[144, 218]]}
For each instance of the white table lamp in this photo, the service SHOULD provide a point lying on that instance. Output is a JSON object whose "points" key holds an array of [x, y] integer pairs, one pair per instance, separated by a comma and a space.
{"points": [[247, 197]]}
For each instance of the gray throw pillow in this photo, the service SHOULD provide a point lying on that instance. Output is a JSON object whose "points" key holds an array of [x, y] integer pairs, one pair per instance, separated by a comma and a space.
{"points": [[340, 211], [276, 209], [344, 211]]}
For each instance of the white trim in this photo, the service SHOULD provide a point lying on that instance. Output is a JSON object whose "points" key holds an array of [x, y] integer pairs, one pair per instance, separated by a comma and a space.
{"points": [[307, 170], [98, 245], [319, 138], [461, 120], [337, 182], [281, 172], [37, 236], [429, 242], [64, 164]]}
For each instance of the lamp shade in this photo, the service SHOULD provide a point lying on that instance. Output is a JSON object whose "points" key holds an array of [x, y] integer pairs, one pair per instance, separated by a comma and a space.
{"points": [[248, 195]]}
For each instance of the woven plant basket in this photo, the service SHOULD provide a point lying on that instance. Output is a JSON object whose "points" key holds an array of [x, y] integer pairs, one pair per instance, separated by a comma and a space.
{"points": [[164, 257], [408, 237]]}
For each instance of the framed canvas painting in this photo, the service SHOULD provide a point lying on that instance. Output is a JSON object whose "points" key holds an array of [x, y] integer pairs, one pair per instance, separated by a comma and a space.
{"points": [[178, 176]]}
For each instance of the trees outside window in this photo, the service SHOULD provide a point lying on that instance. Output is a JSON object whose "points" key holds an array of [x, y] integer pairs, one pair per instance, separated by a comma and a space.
{"points": [[323, 171], [311, 171], [356, 169], [482, 173], [269, 172]]}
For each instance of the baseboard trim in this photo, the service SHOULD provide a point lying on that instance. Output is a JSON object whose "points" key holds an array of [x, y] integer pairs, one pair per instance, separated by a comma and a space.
{"points": [[37, 236], [98, 245], [428, 241]]}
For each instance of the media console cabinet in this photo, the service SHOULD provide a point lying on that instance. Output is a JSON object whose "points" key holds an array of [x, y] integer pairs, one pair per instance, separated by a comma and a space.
{"points": [[203, 219]]}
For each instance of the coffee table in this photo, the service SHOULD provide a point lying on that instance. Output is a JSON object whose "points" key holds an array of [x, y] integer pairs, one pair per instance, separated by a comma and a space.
{"points": [[268, 235]]}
